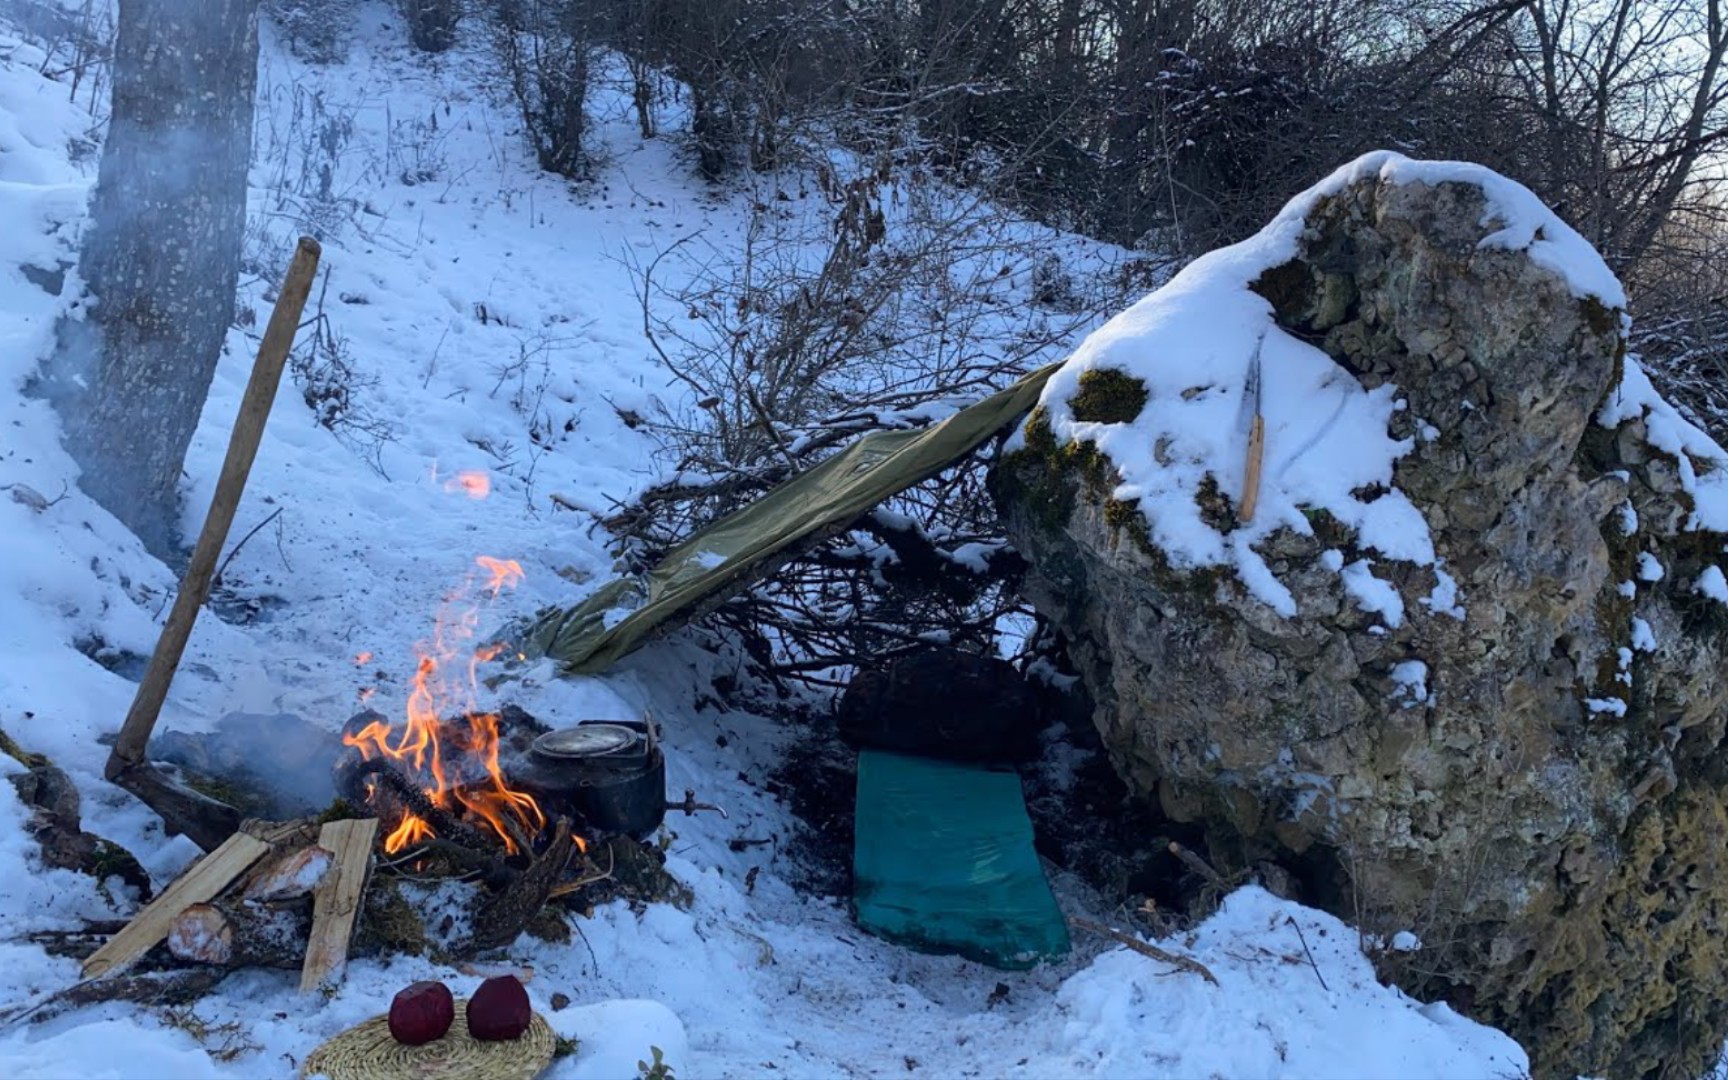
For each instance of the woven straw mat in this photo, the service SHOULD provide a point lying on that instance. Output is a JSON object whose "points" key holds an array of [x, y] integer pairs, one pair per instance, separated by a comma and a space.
{"points": [[369, 1052]]}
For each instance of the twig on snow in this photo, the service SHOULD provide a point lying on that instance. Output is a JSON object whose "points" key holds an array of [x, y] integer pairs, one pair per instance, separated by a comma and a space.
{"points": [[1300, 936], [274, 514], [1143, 948]]}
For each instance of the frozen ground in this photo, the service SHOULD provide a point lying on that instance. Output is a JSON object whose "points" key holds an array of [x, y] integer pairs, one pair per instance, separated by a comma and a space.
{"points": [[478, 304]]}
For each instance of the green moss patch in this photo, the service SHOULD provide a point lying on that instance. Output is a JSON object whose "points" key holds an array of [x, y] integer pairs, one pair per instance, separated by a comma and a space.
{"points": [[1108, 396]]}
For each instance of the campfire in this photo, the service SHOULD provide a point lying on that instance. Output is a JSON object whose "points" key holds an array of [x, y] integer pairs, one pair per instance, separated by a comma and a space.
{"points": [[426, 770], [448, 790]]}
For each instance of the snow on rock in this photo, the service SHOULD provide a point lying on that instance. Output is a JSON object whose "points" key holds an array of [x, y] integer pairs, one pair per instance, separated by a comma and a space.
{"points": [[1643, 637], [1326, 434], [1392, 295], [1702, 465], [1410, 677], [1372, 594], [1711, 583], [1445, 598]]}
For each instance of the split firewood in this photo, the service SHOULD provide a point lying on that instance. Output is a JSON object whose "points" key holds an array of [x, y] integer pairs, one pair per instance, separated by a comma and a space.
{"points": [[336, 902], [242, 934], [287, 875], [209, 876]]}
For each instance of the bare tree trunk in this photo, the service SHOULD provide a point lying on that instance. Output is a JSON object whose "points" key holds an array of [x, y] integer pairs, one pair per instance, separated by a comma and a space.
{"points": [[162, 258]]}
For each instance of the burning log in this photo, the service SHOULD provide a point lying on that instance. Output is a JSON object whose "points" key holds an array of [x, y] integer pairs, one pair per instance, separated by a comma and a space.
{"points": [[500, 919]]}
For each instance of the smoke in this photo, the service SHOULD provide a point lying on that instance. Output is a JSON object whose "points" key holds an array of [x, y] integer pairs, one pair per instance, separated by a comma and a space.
{"points": [[280, 766]]}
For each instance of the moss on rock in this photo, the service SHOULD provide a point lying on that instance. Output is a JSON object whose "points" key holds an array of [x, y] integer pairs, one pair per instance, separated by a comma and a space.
{"points": [[1108, 396]]}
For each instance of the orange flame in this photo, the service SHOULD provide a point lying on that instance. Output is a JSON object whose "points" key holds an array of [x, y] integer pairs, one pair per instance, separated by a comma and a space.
{"points": [[362, 659], [506, 574], [473, 783], [475, 482]]}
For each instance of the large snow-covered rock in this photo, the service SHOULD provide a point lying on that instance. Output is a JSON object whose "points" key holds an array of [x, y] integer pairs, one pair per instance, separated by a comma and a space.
{"points": [[1463, 671]]}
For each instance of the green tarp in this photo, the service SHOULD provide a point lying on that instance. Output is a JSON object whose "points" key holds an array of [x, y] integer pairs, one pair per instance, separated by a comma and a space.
{"points": [[623, 614], [943, 861]]}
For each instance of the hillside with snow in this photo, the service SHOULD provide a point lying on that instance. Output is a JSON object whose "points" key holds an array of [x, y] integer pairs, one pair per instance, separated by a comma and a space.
{"points": [[489, 332]]}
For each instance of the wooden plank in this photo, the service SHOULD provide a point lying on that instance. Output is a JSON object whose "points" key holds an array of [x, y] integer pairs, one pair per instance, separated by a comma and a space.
{"points": [[209, 876], [336, 901]]}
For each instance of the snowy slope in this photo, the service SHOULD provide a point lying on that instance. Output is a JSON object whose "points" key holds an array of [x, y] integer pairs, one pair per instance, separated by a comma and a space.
{"points": [[481, 300]]}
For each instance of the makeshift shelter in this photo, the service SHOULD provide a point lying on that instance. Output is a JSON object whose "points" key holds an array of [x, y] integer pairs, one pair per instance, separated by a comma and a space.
{"points": [[943, 856], [723, 557]]}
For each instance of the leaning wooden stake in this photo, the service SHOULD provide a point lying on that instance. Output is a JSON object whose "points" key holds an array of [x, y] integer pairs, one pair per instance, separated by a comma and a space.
{"points": [[208, 822]]}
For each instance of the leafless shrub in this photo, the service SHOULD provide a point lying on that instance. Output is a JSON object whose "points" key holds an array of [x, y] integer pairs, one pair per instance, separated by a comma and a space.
{"points": [[415, 151], [823, 326], [432, 23], [334, 389], [77, 44], [545, 49], [303, 155]]}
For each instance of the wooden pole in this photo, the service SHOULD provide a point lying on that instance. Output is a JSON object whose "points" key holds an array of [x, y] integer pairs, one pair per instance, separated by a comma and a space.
{"points": [[183, 810]]}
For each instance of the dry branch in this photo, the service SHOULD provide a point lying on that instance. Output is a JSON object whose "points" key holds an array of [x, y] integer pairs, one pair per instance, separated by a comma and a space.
{"points": [[1197, 864], [156, 988], [1150, 951]]}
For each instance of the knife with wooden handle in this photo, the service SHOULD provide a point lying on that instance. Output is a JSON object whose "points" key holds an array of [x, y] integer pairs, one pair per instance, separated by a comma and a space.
{"points": [[1256, 438]]}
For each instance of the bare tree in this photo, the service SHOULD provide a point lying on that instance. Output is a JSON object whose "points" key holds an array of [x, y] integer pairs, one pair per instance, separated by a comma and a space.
{"points": [[162, 258], [1630, 96], [545, 46]]}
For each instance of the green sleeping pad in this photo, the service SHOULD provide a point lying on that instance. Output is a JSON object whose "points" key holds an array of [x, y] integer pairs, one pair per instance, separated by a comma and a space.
{"points": [[943, 862]]}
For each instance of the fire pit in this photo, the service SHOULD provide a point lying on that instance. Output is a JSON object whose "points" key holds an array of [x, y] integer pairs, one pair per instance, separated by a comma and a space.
{"points": [[499, 779]]}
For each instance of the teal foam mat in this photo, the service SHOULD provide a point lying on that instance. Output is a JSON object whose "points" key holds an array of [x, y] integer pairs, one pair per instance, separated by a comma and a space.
{"points": [[943, 862]]}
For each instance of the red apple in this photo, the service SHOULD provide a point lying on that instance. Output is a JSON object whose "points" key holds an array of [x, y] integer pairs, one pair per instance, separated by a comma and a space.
{"points": [[499, 1010], [421, 1013]]}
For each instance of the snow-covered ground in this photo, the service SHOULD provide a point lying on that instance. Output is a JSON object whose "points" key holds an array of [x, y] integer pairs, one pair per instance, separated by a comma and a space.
{"points": [[482, 300]]}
